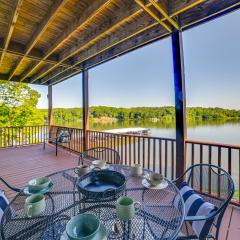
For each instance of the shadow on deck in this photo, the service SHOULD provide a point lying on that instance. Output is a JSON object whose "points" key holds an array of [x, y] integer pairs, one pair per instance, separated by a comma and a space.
{"points": [[19, 165]]}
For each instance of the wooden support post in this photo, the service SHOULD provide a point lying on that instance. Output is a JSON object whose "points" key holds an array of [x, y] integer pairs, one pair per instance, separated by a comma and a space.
{"points": [[50, 114], [85, 108], [180, 101]]}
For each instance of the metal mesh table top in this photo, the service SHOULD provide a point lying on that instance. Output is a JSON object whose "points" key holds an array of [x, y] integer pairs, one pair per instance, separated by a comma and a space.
{"points": [[160, 217]]}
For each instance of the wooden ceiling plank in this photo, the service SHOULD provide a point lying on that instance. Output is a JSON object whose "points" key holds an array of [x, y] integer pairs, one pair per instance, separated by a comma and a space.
{"points": [[189, 6], [152, 14], [47, 20], [12, 23], [83, 20], [161, 9], [116, 22], [59, 71]]}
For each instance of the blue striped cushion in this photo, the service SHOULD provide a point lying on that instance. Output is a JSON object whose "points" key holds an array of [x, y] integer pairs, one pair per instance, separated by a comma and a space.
{"points": [[195, 205], [3, 203]]}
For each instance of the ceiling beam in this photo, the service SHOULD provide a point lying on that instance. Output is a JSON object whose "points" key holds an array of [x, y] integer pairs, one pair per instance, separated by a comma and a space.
{"points": [[158, 5], [116, 39], [13, 20], [199, 16], [4, 77], [35, 58], [152, 14], [119, 19], [47, 20], [84, 19]]}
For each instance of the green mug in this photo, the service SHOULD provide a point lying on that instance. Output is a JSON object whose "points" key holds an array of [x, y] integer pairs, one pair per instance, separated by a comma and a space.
{"points": [[126, 208], [34, 205]]}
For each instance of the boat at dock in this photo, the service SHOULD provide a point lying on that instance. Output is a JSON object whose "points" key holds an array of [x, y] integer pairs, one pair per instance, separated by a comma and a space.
{"points": [[137, 131]]}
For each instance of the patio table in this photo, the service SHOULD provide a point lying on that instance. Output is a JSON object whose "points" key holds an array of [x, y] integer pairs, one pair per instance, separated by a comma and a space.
{"points": [[160, 217]]}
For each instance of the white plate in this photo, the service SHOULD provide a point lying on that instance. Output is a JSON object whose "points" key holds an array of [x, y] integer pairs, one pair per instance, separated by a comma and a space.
{"points": [[101, 235], [103, 168], [162, 185]]}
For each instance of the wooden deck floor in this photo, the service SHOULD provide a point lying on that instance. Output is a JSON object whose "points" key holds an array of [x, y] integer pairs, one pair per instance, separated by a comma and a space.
{"points": [[19, 165]]}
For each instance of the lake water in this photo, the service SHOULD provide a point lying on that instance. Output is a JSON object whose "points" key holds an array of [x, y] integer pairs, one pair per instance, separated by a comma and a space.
{"points": [[223, 133], [216, 131]]}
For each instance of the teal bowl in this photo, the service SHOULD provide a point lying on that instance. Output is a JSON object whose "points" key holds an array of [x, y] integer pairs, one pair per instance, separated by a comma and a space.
{"points": [[82, 227], [38, 184]]}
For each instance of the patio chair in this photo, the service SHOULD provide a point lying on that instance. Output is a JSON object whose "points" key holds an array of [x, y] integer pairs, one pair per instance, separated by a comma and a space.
{"points": [[103, 153], [206, 190], [3, 198], [63, 135]]}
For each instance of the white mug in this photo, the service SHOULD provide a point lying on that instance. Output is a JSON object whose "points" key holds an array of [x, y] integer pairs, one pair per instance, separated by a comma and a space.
{"points": [[136, 170], [81, 170]]}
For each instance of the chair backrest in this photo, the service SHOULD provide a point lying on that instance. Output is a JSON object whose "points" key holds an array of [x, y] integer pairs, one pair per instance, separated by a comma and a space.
{"points": [[64, 134], [213, 182], [3, 203], [108, 154], [214, 185]]}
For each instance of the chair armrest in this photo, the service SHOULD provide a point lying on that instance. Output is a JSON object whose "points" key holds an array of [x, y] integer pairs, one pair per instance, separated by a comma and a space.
{"points": [[15, 189], [196, 218]]}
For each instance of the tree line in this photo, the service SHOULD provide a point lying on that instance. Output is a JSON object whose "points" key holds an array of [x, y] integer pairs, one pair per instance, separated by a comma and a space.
{"points": [[143, 113], [18, 107]]}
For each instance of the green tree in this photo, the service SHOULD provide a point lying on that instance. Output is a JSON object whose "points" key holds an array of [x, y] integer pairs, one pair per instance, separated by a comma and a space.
{"points": [[18, 103]]}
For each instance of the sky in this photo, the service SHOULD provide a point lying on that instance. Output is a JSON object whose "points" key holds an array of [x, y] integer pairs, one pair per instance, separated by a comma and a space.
{"points": [[144, 77]]}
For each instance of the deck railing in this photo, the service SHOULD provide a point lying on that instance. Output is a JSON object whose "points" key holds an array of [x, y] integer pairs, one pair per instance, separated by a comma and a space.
{"points": [[157, 154], [20, 136], [154, 153], [226, 156]]}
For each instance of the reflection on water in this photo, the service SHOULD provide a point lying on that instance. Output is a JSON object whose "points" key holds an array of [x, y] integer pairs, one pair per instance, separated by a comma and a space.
{"points": [[222, 131]]}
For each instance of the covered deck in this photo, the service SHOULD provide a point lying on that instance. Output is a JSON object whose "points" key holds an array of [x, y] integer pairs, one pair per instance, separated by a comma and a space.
{"points": [[66, 37]]}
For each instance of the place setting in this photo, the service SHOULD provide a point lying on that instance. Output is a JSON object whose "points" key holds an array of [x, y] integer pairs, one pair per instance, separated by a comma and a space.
{"points": [[95, 166], [154, 181], [99, 165], [87, 226], [84, 226], [150, 180], [38, 185], [126, 210]]}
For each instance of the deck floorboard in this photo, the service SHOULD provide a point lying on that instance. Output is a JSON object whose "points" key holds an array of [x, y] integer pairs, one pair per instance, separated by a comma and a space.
{"points": [[19, 165]]}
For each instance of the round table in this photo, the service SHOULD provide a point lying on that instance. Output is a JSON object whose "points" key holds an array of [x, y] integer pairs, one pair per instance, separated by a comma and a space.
{"points": [[160, 217]]}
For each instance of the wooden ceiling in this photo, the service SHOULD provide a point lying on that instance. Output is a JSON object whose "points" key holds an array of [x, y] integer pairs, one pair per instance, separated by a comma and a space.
{"points": [[48, 41]]}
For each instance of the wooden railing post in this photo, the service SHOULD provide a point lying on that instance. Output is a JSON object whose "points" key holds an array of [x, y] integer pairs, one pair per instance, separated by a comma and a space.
{"points": [[50, 112], [85, 102], [180, 101]]}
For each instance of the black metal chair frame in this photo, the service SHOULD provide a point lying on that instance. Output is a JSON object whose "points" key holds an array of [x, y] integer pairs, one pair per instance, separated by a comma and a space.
{"points": [[57, 139], [220, 211], [98, 150], [15, 189]]}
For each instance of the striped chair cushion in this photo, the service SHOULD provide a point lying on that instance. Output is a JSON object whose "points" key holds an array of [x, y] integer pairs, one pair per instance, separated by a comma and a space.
{"points": [[195, 205], [3, 203]]}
